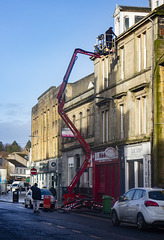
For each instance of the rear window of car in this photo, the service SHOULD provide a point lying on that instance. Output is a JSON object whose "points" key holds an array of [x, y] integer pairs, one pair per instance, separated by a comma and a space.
{"points": [[45, 192], [156, 195]]}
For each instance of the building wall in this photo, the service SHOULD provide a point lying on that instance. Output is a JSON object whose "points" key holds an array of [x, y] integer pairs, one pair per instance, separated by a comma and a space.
{"points": [[158, 151], [46, 127], [80, 110], [127, 121]]}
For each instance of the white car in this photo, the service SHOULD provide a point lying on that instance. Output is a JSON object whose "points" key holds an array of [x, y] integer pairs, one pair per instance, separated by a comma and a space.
{"points": [[141, 206], [28, 201]]}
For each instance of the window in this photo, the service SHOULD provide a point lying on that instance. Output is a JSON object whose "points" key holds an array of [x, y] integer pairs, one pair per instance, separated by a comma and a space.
{"points": [[144, 56], [138, 18], [70, 169], [81, 116], [138, 194], [122, 63], [139, 53], [105, 127], [141, 115], [122, 120], [126, 23], [73, 119], [135, 173], [107, 73], [103, 75], [88, 122], [156, 195], [129, 195]]}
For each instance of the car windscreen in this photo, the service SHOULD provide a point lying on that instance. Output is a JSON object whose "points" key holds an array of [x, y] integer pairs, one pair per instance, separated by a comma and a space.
{"points": [[156, 195], [15, 185], [45, 192]]}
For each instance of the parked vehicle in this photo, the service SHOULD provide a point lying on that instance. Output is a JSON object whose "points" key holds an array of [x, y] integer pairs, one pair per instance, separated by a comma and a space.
{"points": [[141, 206], [17, 186], [28, 201]]}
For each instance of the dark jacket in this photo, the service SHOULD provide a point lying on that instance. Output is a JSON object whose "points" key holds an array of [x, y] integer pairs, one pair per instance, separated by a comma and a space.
{"points": [[36, 193]]}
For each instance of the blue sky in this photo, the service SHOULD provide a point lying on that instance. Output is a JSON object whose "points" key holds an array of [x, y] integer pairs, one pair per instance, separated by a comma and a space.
{"points": [[37, 41]]}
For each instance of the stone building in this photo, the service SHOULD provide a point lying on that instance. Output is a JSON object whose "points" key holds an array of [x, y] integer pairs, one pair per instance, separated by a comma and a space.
{"points": [[132, 122], [57, 158], [46, 141], [80, 110], [119, 110]]}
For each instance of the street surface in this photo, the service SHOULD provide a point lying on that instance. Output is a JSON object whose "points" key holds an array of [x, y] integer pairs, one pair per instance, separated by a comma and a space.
{"points": [[19, 223]]}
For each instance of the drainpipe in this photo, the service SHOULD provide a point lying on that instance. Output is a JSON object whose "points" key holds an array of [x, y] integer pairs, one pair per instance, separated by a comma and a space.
{"points": [[152, 105]]}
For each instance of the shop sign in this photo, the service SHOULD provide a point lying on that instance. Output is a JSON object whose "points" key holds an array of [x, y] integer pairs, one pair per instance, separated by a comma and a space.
{"points": [[43, 167], [66, 132], [109, 154], [134, 152]]}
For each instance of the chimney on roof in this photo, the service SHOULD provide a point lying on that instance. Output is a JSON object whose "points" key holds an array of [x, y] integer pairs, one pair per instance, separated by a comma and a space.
{"points": [[150, 3]]}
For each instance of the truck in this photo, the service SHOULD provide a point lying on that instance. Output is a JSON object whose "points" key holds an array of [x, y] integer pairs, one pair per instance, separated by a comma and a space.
{"points": [[17, 186], [72, 200]]}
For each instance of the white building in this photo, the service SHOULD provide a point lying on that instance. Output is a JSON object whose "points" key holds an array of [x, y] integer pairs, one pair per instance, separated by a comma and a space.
{"points": [[127, 16]]}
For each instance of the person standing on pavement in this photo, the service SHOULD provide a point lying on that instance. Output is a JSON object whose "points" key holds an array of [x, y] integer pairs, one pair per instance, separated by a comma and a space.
{"points": [[36, 195]]}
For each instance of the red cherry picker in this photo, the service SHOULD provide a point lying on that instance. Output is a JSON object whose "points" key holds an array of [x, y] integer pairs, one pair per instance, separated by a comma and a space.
{"points": [[75, 200]]}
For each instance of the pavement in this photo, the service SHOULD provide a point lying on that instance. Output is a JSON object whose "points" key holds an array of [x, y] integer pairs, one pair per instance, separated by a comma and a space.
{"points": [[9, 197]]}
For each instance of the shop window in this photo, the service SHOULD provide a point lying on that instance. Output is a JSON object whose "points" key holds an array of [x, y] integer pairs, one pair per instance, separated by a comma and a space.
{"points": [[135, 173]]}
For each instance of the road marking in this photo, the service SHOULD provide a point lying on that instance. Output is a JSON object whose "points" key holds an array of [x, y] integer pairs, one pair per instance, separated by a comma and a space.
{"points": [[60, 227], [95, 237], [76, 231]]}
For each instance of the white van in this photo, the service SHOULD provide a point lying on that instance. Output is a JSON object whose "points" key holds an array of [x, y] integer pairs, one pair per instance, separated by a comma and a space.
{"points": [[17, 186]]}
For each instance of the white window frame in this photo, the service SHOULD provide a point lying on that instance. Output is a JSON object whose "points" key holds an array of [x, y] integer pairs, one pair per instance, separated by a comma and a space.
{"points": [[139, 53], [107, 73], [103, 73], [105, 126], [144, 36], [122, 63], [122, 120]]}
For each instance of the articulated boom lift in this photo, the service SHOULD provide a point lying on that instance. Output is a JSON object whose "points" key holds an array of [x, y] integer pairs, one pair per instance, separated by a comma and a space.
{"points": [[74, 200]]}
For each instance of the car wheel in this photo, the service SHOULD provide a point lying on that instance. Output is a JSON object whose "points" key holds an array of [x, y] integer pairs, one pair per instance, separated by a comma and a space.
{"points": [[115, 220], [141, 222]]}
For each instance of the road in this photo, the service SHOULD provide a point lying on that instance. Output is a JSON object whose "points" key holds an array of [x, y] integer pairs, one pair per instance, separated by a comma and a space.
{"points": [[19, 223]]}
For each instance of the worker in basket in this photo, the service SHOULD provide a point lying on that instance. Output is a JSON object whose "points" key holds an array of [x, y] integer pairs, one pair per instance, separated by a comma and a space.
{"points": [[109, 37]]}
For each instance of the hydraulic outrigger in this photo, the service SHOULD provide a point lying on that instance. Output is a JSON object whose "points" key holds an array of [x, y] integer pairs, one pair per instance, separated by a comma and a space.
{"points": [[75, 200]]}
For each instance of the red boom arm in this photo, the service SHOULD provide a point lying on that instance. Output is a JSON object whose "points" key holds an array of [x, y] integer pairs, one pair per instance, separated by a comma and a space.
{"points": [[65, 118]]}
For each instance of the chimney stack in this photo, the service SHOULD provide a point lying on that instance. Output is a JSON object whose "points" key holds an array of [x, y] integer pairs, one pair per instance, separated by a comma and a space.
{"points": [[150, 3]]}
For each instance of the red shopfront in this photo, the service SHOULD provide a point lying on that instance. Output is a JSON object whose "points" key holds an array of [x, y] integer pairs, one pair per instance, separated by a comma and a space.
{"points": [[106, 174]]}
